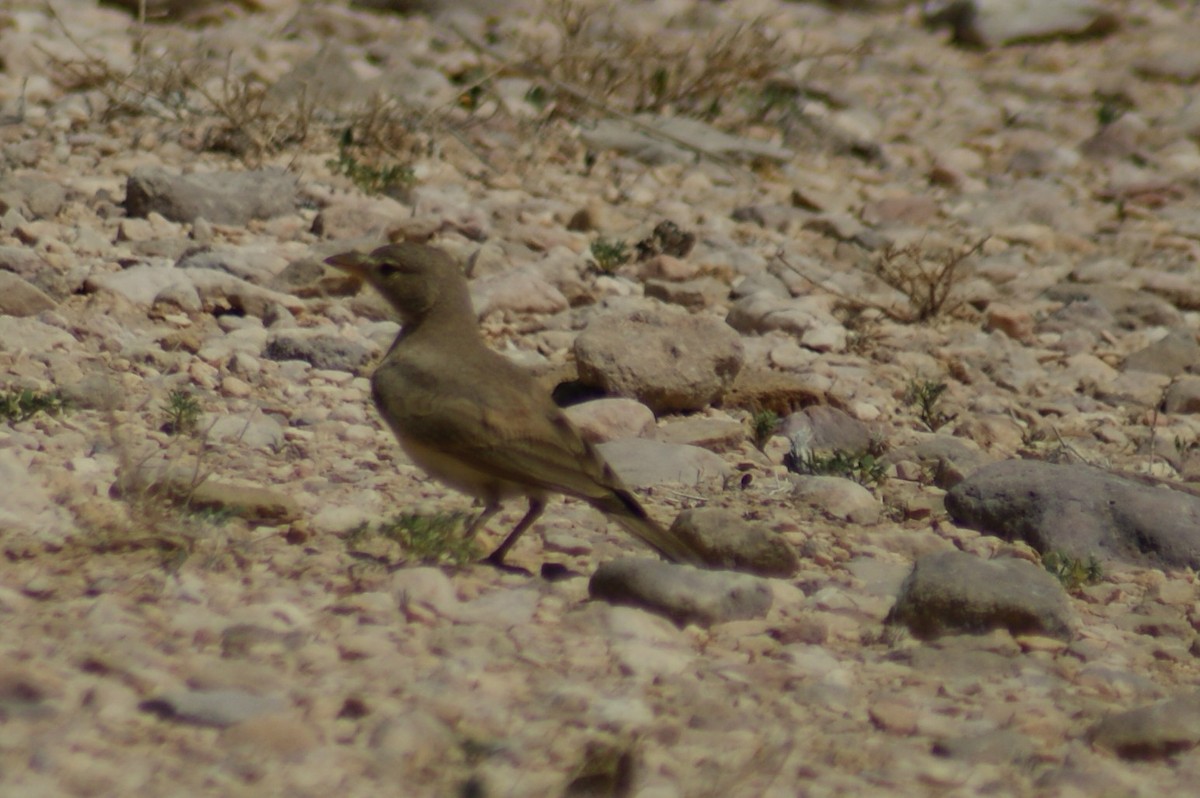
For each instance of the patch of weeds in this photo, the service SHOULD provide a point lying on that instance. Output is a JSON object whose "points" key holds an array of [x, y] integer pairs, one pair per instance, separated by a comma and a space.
{"points": [[1073, 572], [762, 426], [213, 515], [369, 179], [538, 97], [358, 535], [1111, 106], [888, 634], [774, 96], [21, 405], [473, 82], [216, 99], [178, 79], [596, 55], [182, 413], [925, 396], [609, 253], [425, 539], [606, 768], [863, 331], [861, 467]]}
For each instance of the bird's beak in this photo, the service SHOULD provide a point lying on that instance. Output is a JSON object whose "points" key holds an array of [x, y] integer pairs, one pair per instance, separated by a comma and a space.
{"points": [[354, 263]]}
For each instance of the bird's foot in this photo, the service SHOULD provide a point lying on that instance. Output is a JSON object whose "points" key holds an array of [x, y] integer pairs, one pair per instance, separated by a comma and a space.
{"points": [[499, 564], [556, 572]]}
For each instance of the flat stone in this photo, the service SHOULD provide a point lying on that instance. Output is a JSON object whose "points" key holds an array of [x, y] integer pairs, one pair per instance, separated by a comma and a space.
{"points": [[252, 502], [1171, 355], [644, 463], [610, 419], [1156, 731], [221, 707], [19, 297], [232, 198], [727, 541], [680, 592], [993, 23], [714, 434], [322, 348]]}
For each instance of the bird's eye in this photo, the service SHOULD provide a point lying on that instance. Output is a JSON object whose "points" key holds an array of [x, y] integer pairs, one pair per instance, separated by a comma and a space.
{"points": [[387, 270]]}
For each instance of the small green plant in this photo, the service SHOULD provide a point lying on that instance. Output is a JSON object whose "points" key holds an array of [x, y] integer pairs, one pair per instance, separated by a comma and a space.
{"points": [[609, 253], [431, 539], [369, 179], [773, 96], [182, 413], [763, 425], [21, 405], [925, 395], [1073, 572], [537, 96], [214, 515], [861, 467], [1111, 106], [472, 83]]}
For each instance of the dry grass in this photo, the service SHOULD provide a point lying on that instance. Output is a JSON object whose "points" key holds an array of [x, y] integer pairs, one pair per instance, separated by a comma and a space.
{"points": [[214, 100], [596, 50], [154, 519]]}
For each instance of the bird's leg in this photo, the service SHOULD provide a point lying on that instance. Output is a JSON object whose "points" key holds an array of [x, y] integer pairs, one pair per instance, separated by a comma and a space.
{"points": [[489, 509], [536, 505]]}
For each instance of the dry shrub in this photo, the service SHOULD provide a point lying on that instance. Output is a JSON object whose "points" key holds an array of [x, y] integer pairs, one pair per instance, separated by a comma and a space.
{"points": [[928, 280], [215, 100], [678, 67]]}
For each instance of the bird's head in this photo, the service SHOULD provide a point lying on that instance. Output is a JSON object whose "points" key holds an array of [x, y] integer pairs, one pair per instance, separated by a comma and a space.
{"points": [[414, 278]]}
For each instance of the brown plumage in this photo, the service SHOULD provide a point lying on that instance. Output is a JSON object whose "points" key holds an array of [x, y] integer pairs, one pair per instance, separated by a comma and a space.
{"points": [[473, 419]]}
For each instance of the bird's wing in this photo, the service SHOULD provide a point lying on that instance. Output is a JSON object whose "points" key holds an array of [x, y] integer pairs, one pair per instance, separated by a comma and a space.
{"points": [[511, 430], [505, 426]]}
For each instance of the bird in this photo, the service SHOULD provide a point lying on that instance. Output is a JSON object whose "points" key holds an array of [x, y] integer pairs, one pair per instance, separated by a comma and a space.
{"points": [[474, 420]]}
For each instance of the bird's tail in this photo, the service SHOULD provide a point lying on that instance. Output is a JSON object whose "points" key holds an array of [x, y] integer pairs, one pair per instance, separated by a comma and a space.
{"points": [[621, 506]]}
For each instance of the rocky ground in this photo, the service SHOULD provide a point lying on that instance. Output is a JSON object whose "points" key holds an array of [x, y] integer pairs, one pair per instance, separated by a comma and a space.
{"points": [[898, 318]]}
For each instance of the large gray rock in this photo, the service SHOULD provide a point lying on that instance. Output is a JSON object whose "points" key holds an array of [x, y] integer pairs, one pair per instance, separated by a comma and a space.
{"points": [[232, 198], [1081, 511], [952, 592], [666, 359], [1130, 308], [1151, 732], [1171, 355], [680, 592], [21, 298], [992, 23]]}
